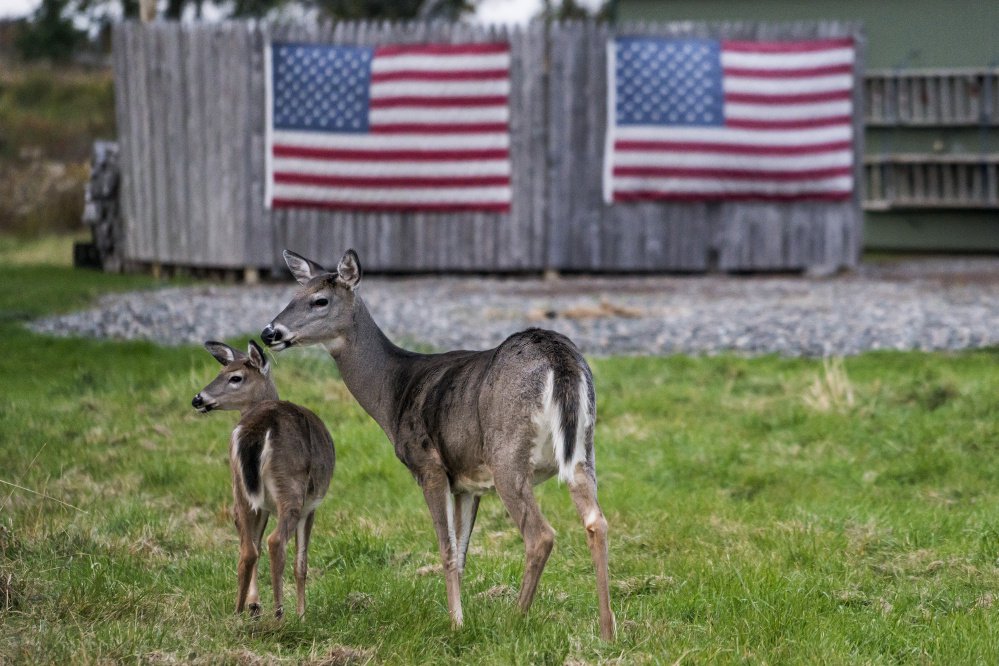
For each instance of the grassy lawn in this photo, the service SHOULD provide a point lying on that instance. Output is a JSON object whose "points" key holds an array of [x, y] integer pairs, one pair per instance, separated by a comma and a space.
{"points": [[750, 522]]}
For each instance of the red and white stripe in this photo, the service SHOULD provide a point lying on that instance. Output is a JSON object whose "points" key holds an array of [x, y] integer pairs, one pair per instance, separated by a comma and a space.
{"points": [[788, 133], [438, 138]]}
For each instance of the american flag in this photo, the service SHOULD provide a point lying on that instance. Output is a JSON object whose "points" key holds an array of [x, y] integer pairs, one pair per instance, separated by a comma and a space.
{"points": [[422, 127], [702, 119]]}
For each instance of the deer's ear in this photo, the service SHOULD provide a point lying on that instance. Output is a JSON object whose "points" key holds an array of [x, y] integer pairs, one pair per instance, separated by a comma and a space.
{"points": [[349, 269], [258, 358], [303, 269], [222, 352]]}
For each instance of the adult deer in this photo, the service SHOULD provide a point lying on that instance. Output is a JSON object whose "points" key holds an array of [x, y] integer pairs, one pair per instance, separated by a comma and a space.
{"points": [[282, 461], [464, 422]]}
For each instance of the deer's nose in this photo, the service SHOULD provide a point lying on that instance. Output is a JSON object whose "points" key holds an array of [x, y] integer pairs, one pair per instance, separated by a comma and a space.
{"points": [[198, 401], [270, 335]]}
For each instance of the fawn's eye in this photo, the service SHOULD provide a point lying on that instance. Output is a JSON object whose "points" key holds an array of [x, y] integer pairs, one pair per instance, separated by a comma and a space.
{"points": [[320, 302], [235, 379]]}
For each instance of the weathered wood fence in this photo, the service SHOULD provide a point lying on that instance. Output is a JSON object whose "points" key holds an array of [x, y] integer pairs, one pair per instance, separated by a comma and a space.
{"points": [[190, 113]]}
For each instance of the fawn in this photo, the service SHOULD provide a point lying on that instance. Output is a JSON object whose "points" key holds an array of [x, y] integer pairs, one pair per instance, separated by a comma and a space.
{"points": [[282, 459]]}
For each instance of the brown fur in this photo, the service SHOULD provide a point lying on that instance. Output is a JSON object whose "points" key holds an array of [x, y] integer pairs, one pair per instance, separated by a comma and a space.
{"points": [[464, 422], [282, 460]]}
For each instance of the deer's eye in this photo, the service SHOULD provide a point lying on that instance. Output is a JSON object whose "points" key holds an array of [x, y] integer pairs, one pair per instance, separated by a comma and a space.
{"points": [[235, 379], [320, 302]]}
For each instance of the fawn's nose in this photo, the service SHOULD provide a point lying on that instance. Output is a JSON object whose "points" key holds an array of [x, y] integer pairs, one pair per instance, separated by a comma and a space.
{"points": [[270, 335], [198, 401]]}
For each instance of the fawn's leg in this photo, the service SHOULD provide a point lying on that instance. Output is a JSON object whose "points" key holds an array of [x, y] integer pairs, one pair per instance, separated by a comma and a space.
{"points": [[277, 545], [253, 596], [250, 524], [302, 536]]}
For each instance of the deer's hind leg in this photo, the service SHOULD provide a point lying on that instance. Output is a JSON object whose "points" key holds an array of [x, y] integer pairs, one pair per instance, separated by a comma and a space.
{"points": [[584, 495], [277, 546], [514, 487], [253, 596], [251, 526], [302, 536]]}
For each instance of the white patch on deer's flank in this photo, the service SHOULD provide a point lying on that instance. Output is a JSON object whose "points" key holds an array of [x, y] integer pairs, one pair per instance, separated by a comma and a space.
{"points": [[234, 447], [260, 499], [567, 470], [547, 433]]}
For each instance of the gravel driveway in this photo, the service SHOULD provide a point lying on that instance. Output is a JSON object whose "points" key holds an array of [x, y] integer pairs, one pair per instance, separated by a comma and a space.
{"points": [[927, 304]]}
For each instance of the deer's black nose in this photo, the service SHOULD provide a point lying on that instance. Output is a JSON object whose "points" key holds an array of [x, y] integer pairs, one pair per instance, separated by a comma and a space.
{"points": [[197, 402], [270, 335]]}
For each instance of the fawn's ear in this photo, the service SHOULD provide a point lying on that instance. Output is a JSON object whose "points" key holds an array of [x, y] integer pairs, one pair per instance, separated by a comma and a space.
{"points": [[222, 352], [258, 358], [349, 269], [303, 269]]}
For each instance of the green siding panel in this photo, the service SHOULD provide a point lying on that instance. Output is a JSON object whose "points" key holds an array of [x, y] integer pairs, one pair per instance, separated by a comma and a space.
{"points": [[957, 231], [916, 33]]}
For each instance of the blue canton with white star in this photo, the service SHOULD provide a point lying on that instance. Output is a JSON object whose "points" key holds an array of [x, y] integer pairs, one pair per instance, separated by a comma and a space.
{"points": [[321, 88], [668, 82]]}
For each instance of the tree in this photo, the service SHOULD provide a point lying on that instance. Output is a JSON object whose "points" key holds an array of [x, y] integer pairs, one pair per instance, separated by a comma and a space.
{"points": [[573, 9], [339, 9], [395, 9], [49, 34]]}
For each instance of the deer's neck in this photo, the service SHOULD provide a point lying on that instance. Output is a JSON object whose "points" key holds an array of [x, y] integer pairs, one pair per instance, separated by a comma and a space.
{"points": [[268, 393], [372, 368]]}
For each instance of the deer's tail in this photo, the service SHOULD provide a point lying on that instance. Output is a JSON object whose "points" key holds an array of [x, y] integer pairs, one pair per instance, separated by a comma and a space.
{"points": [[571, 407]]}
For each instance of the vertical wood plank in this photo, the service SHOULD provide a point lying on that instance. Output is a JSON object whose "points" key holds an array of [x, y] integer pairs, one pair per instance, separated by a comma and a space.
{"points": [[125, 120]]}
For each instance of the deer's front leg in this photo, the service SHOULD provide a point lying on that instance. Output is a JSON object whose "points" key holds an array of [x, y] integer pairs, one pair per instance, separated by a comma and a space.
{"points": [[437, 492]]}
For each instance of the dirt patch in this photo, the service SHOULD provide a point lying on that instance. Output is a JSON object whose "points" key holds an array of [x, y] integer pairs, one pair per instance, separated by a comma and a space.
{"points": [[600, 310], [344, 655], [497, 592]]}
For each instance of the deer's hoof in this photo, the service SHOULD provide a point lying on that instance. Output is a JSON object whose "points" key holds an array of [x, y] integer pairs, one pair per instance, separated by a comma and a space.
{"points": [[255, 610], [279, 613]]}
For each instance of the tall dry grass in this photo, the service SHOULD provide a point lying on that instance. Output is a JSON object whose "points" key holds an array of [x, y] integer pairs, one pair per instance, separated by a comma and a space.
{"points": [[831, 389]]}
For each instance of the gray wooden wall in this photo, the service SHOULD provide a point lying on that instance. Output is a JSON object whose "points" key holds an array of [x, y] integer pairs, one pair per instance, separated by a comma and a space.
{"points": [[190, 113]]}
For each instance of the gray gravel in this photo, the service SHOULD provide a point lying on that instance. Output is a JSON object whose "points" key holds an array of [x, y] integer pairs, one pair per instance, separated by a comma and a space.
{"points": [[931, 304]]}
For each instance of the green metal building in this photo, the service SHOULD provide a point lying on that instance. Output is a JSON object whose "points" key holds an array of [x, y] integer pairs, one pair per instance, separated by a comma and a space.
{"points": [[931, 110]]}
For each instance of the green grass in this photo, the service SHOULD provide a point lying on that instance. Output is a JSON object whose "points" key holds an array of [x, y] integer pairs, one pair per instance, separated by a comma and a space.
{"points": [[746, 526]]}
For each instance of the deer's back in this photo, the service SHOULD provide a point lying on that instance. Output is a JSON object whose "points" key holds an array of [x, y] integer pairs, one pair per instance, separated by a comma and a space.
{"points": [[451, 399], [285, 450]]}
